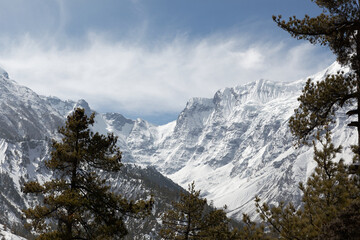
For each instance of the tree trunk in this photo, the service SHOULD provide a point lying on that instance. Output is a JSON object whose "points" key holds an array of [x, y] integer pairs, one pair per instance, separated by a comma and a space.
{"points": [[357, 72]]}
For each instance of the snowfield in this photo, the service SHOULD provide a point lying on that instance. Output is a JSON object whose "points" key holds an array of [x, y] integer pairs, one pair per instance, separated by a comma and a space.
{"points": [[234, 146]]}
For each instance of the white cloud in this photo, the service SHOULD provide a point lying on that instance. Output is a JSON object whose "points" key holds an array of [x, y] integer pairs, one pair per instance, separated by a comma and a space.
{"points": [[135, 78]]}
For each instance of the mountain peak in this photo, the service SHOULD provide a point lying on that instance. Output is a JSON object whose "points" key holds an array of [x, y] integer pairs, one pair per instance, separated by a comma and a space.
{"points": [[3, 73], [83, 104]]}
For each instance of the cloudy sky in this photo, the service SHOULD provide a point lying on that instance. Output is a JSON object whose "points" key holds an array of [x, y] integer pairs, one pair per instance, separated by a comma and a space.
{"points": [[146, 58]]}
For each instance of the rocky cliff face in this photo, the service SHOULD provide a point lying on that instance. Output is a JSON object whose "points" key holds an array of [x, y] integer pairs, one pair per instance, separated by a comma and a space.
{"points": [[234, 146], [28, 122]]}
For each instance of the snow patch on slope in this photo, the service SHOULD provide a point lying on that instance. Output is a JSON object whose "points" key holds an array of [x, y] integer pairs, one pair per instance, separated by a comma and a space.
{"points": [[238, 145], [8, 235], [234, 146]]}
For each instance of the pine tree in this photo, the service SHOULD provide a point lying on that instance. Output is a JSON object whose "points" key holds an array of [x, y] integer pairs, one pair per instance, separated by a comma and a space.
{"points": [[332, 191], [327, 193], [190, 219], [77, 202], [338, 27], [345, 225], [251, 231]]}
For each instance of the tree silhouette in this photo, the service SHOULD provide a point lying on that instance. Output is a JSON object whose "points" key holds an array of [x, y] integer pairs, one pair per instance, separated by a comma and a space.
{"points": [[77, 203]]}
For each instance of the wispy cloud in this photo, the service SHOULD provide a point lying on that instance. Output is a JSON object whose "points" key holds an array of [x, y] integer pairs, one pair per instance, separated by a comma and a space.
{"points": [[143, 80]]}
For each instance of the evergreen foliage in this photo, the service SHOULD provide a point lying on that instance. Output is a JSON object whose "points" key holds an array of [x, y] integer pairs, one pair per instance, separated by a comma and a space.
{"points": [[251, 230], [338, 28], [189, 218], [345, 225], [329, 191], [77, 203], [318, 104], [332, 193]]}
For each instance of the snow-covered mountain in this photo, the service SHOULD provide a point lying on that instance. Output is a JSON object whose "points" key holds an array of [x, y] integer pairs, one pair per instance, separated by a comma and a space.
{"points": [[28, 122], [6, 234], [234, 146]]}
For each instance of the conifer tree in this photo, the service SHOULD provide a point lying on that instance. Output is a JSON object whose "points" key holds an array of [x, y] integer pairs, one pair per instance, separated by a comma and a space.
{"points": [[338, 27], [189, 219], [251, 230], [345, 225], [331, 192], [77, 203], [327, 193]]}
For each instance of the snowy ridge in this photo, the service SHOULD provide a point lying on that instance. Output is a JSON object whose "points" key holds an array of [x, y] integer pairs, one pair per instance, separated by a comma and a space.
{"points": [[4, 233], [3, 73], [237, 145], [28, 122], [23, 113], [234, 146], [62, 107]]}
